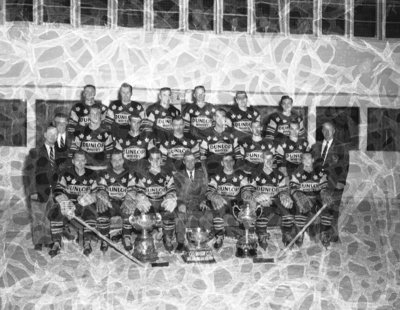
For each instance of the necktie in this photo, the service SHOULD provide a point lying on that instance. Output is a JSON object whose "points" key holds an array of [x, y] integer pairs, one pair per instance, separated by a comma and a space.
{"points": [[325, 150], [52, 159], [191, 175], [62, 143]]}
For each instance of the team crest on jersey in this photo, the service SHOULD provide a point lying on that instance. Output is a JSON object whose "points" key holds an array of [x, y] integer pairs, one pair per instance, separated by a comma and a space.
{"points": [[201, 122], [165, 123], [254, 157], [116, 191], [134, 153], [242, 125], [309, 187], [177, 152], [221, 148], [267, 189], [228, 189], [93, 146], [155, 191], [294, 157], [77, 189], [84, 120], [122, 118]]}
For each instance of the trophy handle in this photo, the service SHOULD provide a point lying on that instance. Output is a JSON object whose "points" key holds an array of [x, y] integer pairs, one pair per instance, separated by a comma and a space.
{"points": [[235, 211]]}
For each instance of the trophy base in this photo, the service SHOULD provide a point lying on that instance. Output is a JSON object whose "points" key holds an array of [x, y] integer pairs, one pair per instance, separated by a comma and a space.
{"points": [[146, 258], [144, 250], [199, 256], [246, 249]]}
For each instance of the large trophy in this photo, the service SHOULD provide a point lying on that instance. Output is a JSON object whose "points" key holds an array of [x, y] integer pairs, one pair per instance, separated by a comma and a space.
{"points": [[144, 249], [199, 251], [247, 215]]}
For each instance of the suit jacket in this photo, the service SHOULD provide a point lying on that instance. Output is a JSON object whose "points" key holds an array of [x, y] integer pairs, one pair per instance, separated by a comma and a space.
{"points": [[336, 164], [44, 175], [191, 193]]}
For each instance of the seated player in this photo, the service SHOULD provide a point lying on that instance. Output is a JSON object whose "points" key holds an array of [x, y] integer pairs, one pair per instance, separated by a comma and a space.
{"points": [[277, 126], [225, 189], [199, 115], [112, 187], [74, 194], [271, 192], [135, 145], [191, 187], [308, 190], [154, 192], [218, 142], [174, 148], [251, 149], [241, 116], [289, 151], [160, 115], [95, 140], [120, 110]]}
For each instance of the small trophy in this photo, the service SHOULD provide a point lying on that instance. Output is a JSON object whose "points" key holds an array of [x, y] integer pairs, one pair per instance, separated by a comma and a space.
{"points": [[199, 251], [246, 245], [144, 249]]}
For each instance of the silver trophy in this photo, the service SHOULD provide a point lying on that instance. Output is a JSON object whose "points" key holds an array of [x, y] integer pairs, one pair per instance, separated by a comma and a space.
{"points": [[247, 215], [144, 249], [199, 251]]}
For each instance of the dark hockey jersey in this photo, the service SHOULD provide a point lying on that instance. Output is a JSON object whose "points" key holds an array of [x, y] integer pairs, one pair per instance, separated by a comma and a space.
{"points": [[250, 152], [135, 148], [198, 120], [79, 116], [310, 183], [289, 154], [115, 184], [241, 120], [277, 127], [271, 184]]}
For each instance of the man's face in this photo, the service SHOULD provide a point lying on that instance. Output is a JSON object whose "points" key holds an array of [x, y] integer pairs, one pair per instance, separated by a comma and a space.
{"points": [[228, 162], [256, 128], [135, 123], [307, 160], [95, 116], [294, 130], [189, 162], [220, 118], [328, 131], [88, 95], [178, 127], [126, 94], [200, 95], [51, 135], [165, 97], [79, 161], [241, 100], [61, 124], [117, 161], [155, 161], [287, 105], [268, 161]]}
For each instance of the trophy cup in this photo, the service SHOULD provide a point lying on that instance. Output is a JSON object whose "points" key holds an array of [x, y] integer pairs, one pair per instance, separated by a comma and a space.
{"points": [[246, 245], [144, 249], [199, 251]]}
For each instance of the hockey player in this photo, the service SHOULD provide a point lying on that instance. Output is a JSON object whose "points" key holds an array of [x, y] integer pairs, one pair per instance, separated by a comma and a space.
{"points": [[277, 126], [174, 149], [218, 142], [272, 193], [225, 189], [309, 193], [155, 192], [135, 145], [160, 115], [120, 110], [112, 188], [79, 114], [241, 116], [199, 115], [251, 149], [95, 140], [289, 151], [74, 194]]}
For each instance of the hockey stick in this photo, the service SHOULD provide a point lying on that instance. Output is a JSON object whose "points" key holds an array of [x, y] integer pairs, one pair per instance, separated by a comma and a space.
{"points": [[281, 252], [109, 242]]}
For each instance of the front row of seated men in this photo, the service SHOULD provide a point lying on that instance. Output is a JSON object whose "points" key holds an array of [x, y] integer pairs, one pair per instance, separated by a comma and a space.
{"points": [[186, 198]]}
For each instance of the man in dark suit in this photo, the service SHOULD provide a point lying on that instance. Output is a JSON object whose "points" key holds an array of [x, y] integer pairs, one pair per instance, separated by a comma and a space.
{"points": [[191, 186], [332, 156], [62, 143], [45, 174]]}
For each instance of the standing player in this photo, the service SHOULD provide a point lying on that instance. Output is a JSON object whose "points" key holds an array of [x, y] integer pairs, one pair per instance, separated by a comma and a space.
{"points": [[277, 126], [160, 115], [74, 196], [95, 140], [241, 116], [79, 115], [119, 111], [199, 116]]}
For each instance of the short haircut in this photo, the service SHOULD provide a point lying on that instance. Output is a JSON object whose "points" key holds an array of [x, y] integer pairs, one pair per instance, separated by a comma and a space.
{"points": [[329, 123], [240, 92], [307, 153], [49, 127], [267, 152], [89, 86], [230, 154], [177, 118], [165, 89], [220, 111], [284, 98], [61, 115], [154, 150], [199, 87], [188, 153], [79, 152], [95, 106], [116, 152], [294, 122], [126, 85], [131, 116]]}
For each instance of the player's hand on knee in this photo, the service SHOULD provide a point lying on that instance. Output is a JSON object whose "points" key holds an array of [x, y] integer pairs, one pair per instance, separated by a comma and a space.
{"points": [[286, 201], [218, 201], [203, 206], [169, 204]]}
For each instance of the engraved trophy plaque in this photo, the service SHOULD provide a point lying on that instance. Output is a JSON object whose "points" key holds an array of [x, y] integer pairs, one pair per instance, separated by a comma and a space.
{"points": [[247, 215], [199, 251], [144, 249]]}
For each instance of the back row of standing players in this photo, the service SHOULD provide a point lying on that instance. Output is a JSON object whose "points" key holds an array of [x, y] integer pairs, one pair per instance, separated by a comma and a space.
{"points": [[242, 160]]}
